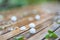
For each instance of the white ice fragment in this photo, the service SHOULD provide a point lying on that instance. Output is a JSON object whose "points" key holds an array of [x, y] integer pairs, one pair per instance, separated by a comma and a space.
{"points": [[23, 28], [32, 25], [13, 18], [32, 30], [37, 17]]}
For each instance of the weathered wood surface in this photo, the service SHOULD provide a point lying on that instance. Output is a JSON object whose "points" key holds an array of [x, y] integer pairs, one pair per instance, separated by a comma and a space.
{"points": [[16, 32]]}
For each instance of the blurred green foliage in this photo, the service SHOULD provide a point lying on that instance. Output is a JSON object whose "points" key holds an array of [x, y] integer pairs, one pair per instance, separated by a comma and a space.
{"points": [[19, 38], [51, 34], [1, 2], [17, 2], [20, 3]]}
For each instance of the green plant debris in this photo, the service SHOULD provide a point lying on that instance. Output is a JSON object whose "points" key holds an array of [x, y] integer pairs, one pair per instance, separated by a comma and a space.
{"points": [[19, 38], [51, 34]]}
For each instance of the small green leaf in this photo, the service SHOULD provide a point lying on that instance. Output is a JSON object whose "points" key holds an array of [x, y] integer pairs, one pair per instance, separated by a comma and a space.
{"points": [[47, 36], [2, 1], [49, 31], [19, 38], [53, 35]]}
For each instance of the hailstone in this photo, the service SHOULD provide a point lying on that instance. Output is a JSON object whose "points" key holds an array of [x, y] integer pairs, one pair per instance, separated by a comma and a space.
{"points": [[23, 28], [32, 25], [13, 18], [37, 17], [32, 30]]}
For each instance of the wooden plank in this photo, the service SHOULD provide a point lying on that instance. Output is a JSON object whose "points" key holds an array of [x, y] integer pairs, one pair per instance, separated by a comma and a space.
{"points": [[58, 32], [23, 22], [40, 35], [38, 28], [16, 32], [1, 38]]}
